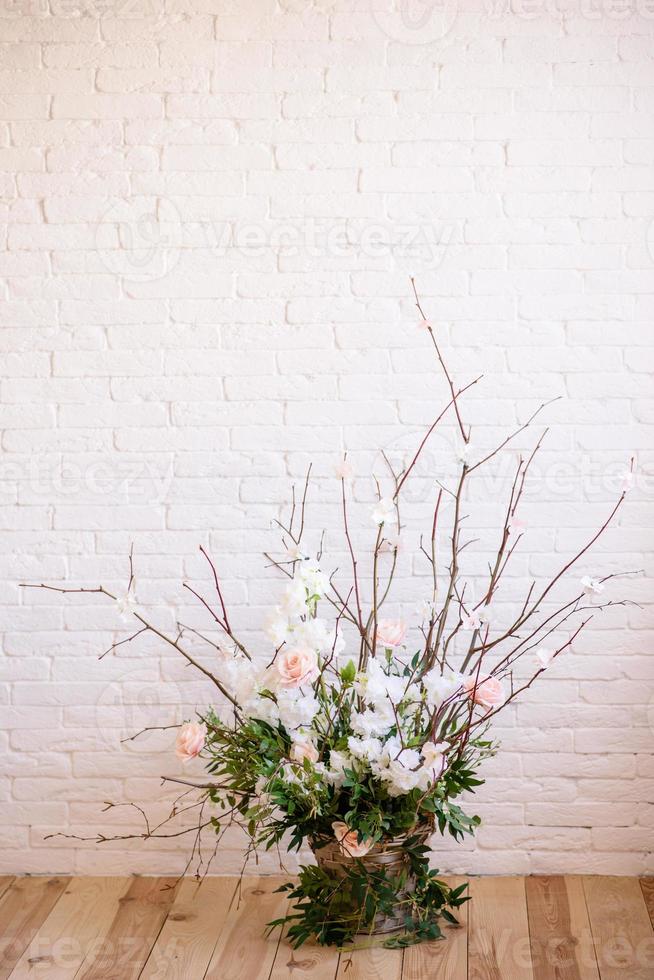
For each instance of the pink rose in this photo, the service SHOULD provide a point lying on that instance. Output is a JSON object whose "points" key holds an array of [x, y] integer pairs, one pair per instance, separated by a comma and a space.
{"points": [[349, 840], [390, 632], [304, 750], [190, 741], [297, 666], [487, 693]]}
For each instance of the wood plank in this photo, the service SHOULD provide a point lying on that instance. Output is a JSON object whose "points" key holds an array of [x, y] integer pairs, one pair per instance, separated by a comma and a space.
{"points": [[309, 962], [243, 952], [647, 888], [621, 928], [125, 947], [498, 930], [5, 882], [23, 908], [446, 959], [85, 910], [375, 963], [189, 935], [559, 928]]}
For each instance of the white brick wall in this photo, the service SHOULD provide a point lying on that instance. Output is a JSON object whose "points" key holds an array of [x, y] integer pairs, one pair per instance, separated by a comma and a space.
{"points": [[209, 210]]}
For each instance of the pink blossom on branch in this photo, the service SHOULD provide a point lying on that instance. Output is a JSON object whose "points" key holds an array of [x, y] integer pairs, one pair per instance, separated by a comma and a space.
{"points": [[190, 741], [487, 693], [391, 632]]}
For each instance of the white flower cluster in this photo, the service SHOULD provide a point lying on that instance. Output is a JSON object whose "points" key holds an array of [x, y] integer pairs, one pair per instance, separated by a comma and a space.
{"points": [[304, 637], [391, 702], [292, 622]]}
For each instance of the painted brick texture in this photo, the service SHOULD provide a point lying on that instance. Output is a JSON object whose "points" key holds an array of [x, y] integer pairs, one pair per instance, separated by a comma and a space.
{"points": [[209, 213]]}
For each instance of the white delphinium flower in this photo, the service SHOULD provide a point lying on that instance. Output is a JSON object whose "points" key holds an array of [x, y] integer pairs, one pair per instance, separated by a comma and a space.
{"points": [[315, 634], [441, 686], [338, 763], [313, 579], [399, 768], [238, 674], [365, 749], [373, 722], [296, 710], [263, 709], [433, 763], [375, 685], [545, 657], [294, 600], [126, 606], [383, 511], [591, 586], [277, 628]]}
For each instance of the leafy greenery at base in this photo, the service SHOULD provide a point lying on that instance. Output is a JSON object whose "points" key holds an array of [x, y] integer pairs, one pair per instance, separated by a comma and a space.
{"points": [[335, 909]]}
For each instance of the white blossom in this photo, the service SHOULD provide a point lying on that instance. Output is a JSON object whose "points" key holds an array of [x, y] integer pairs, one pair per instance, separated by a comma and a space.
{"points": [[399, 768], [545, 657], [627, 480], [238, 674], [263, 709], [441, 686], [316, 634], [277, 628], [516, 526], [373, 722], [366, 749], [383, 511], [126, 606], [591, 586], [314, 581], [462, 452], [343, 470], [391, 541], [472, 621], [294, 600], [296, 710], [338, 763], [375, 685], [294, 553], [433, 763]]}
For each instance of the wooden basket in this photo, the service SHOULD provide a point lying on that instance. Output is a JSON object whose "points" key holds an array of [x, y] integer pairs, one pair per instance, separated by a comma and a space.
{"points": [[387, 854]]}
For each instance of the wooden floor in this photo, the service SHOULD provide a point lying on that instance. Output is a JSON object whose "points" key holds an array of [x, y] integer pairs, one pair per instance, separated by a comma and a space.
{"points": [[544, 928]]}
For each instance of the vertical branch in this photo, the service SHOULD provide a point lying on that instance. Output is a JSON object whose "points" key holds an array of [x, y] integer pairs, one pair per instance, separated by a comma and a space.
{"points": [[464, 435]]}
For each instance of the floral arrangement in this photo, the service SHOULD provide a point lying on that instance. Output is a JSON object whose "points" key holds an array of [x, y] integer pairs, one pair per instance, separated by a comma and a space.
{"points": [[355, 735]]}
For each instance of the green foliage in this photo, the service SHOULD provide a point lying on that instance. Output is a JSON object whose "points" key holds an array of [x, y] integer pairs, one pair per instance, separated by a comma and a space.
{"points": [[334, 909]]}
